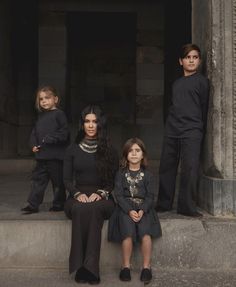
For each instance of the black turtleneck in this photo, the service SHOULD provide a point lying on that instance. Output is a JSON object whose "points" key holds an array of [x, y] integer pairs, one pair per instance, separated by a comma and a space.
{"points": [[80, 169]]}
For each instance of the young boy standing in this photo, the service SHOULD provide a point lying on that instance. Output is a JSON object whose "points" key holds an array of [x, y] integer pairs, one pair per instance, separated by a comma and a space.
{"points": [[184, 131]]}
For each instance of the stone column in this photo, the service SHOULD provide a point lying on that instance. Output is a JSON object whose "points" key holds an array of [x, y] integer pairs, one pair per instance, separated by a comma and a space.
{"points": [[214, 29], [8, 101], [25, 14]]}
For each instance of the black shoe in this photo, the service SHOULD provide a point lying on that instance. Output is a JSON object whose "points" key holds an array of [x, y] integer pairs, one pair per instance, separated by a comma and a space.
{"points": [[191, 214], [29, 210], [80, 276], [146, 275], [125, 274], [56, 209], [94, 281], [85, 276]]}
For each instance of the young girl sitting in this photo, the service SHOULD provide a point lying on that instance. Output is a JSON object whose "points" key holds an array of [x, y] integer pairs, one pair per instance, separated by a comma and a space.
{"points": [[48, 141], [134, 218]]}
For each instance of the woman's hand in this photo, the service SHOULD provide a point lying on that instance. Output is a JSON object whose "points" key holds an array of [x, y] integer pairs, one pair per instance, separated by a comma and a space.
{"points": [[94, 197], [82, 198]]}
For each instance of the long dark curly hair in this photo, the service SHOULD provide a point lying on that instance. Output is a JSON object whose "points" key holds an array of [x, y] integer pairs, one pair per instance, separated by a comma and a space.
{"points": [[106, 157]]}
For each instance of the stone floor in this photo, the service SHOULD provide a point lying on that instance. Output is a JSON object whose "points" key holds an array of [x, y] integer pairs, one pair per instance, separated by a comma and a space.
{"points": [[161, 278]]}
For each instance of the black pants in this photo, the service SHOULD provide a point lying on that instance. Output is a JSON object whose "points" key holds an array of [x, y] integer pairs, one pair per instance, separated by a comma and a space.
{"points": [[87, 222], [45, 171], [187, 151]]}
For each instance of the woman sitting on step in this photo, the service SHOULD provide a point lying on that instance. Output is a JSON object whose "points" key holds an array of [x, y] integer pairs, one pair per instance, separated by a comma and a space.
{"points": [[89, 168]]}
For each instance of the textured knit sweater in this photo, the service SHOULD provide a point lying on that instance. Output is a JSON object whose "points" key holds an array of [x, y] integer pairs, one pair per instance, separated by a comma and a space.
{"points": [[51, 133], [188, 112]]}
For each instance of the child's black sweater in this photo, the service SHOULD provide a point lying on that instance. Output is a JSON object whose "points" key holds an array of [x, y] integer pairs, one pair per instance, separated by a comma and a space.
{"points": [[188, 113], [51, 133]]}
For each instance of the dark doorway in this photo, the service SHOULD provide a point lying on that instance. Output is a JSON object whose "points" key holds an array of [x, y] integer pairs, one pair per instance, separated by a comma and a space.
{"points": [[178, 27], [102, 66]]}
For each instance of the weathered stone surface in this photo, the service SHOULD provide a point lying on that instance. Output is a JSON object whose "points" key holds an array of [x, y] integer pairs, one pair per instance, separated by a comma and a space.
{"points": [[217, 27], [165, 277]]}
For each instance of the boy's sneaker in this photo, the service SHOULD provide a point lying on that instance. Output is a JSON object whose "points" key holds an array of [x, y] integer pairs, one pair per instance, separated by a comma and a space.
{"points": [[146, 275], [29, 210], [125, 274]]}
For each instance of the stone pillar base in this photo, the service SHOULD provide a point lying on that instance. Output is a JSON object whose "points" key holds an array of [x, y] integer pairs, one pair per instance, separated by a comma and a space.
{"points": [[217, 196]]}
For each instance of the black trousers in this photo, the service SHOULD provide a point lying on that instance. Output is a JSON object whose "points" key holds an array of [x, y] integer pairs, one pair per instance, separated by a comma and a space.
{"points": [[187, 152], [87, 223], [44, 171]]}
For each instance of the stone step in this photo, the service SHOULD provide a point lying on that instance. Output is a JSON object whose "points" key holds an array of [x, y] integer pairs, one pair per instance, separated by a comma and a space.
{"points": [[161, 278], [43, 241]]}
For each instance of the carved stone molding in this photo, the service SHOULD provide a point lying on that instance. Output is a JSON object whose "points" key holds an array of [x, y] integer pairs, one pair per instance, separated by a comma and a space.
{"points": [[234, 84]]}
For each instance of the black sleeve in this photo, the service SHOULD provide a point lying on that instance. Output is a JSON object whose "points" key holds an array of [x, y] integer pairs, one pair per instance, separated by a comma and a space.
{"points": [[61, 134], [119, 194], [151, 188], [68, 175], [33, 139]]}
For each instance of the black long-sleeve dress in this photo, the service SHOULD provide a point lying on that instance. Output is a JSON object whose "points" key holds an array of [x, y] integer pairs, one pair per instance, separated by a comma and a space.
{"points": [[134, 190], [81, 175]]}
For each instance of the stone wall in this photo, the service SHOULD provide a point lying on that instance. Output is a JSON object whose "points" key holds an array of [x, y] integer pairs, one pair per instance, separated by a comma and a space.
{"points": [[8, 101], [25, 14], [131, 91], [214, 32], [150, 77]]}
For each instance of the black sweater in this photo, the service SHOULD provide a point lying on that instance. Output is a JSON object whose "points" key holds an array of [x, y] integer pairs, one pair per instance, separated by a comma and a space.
{"points": [[188, 112], [51, 133], [80, 171]]}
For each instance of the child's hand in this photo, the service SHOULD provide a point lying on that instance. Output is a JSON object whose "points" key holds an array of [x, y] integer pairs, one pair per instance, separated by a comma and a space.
{"points": [[134, 215], [35, 148], [140, 214]]}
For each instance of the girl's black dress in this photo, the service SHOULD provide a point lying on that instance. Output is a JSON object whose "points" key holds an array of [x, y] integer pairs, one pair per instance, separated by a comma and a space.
{"points": [[80, 175], [134, 190]]}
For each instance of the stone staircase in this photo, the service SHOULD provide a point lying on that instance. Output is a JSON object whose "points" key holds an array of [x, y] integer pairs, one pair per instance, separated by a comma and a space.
{"points": [[34, 249]]}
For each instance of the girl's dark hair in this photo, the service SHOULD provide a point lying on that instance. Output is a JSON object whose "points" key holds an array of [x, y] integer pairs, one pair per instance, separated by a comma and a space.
{"points": [[188, 48], [126, 149], [48, 90], [105, 155]]}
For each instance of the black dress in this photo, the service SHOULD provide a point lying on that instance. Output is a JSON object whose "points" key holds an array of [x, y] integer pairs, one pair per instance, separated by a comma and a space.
{"points": [[87, 218], [134, 190]]}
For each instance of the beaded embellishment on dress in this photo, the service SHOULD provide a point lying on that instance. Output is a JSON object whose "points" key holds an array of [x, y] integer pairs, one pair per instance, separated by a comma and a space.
{"points": [[132, 181], [89, 146]]}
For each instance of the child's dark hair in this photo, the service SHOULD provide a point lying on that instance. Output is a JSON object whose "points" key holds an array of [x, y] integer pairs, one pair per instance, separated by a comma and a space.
{"points": [[126, 149], [185, 49], [48, 90]]}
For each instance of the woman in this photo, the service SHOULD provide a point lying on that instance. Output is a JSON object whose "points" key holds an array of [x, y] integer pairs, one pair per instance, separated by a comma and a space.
{"points": [[89, 168]]}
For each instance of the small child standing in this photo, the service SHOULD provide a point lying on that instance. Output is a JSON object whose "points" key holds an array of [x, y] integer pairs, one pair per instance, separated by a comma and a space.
{"points": [[134, 218], [48, 140]]}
